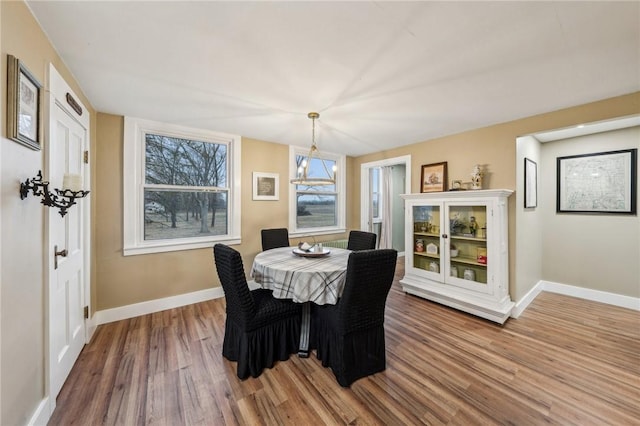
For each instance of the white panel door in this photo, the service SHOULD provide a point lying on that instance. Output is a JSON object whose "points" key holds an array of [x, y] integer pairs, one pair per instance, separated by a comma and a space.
{"points": [[67, 141]]}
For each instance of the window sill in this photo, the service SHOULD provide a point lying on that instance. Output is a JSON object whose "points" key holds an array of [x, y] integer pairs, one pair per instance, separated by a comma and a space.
{"points": [[310, 233], [163, 247]]}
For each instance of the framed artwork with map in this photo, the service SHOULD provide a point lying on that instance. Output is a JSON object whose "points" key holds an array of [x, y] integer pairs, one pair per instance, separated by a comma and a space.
{"points": [[603, 182]]}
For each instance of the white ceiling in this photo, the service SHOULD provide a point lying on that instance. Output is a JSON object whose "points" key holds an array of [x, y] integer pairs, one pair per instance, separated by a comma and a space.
{"points": [[381, 74]]}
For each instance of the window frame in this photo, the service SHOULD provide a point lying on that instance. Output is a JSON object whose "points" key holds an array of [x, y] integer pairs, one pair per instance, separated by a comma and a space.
{"points": [[340, 192], [378, 218], [134, 157]]}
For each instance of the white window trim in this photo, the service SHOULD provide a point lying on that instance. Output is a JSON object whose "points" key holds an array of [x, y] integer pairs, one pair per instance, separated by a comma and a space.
{"points": [[341, 188], [377, 219], [133, 188]]}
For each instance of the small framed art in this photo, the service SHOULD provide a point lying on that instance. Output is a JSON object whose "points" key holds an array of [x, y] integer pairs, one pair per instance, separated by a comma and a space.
{"points": [[23, 104], [433, 177], [530, 184], [266, 186]]}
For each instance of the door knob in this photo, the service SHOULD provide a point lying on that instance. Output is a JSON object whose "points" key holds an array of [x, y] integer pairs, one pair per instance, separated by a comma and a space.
{"points": [[57, 253]]}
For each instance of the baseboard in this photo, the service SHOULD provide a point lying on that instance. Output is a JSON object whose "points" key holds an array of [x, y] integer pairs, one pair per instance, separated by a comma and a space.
{"points": [[42, 414], [91, 326], [593, 295], [151, 306], [523, 303]]}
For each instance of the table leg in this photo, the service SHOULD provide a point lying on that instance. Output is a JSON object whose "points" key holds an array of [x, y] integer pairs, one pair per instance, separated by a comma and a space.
{"points": [[303, 351]]}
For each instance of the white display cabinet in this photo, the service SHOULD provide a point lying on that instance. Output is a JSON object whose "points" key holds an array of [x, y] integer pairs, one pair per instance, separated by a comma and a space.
{"points": [[457, 250]]}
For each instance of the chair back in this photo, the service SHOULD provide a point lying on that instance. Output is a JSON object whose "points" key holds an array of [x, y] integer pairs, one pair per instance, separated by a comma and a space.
{"points": [[361, 240], [369, 277], [240, 305], [274, 238]]}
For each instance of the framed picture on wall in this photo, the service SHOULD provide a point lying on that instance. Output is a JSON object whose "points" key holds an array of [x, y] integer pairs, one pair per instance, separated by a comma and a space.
{"points": [[23, 104], [603, 182], [433, 177], [530, 184], [266, 186]]}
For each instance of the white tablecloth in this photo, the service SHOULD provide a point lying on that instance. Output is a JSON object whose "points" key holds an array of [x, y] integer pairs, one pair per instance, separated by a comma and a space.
{"points": [[319, 280]]}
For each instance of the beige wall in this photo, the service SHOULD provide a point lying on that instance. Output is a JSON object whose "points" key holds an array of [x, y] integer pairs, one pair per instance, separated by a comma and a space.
{"points": [[22, 299], [495, 148], [126, 280], [528, 248], [122, 281], [594, 251]]}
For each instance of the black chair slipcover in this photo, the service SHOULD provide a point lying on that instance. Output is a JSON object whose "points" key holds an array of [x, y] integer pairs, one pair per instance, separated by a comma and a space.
{"points": [[349, 336], [361, 240], [259, 329], [274, 238]]}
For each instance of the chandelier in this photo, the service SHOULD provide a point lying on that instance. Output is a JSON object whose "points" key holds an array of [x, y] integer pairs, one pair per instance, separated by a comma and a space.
{"points": [[302, 176]]}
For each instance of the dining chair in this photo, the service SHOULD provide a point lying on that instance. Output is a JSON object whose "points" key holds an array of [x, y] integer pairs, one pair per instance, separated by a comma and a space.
{"points": [[259, 329], [274, 238], [349, 336], [361, 240]]}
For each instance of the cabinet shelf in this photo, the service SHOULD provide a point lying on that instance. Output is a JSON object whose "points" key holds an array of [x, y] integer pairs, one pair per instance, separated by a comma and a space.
{"points": [[427, 234], [462, 237], [467, 261], [425, 254]]}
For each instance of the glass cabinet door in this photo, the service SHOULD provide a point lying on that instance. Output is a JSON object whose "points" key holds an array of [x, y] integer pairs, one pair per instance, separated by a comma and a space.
{"points": [[467, 233], [426, 238]]}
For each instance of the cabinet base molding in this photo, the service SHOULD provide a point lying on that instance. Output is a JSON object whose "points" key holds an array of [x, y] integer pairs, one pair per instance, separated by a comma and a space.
{"points": [[487, 309]]}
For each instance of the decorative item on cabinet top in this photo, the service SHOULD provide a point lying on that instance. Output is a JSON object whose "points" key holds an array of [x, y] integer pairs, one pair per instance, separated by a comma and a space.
{"points": [[456, 185], [433, 177], [476, 177]]}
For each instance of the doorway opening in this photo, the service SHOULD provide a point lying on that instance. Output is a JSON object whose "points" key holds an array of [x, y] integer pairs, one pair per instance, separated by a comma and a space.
{"points": [[382, 209]]}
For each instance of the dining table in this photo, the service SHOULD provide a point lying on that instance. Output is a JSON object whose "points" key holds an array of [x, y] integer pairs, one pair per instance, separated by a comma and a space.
{"points": [[304, 277]]}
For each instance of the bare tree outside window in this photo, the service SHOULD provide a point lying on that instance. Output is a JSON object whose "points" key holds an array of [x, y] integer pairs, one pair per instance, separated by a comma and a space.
{"points": [[186, 188], [316, 205]]}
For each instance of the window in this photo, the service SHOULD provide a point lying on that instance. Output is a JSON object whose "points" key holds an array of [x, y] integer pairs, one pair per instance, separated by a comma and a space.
{"points": [[181, 187], [317, 209]]}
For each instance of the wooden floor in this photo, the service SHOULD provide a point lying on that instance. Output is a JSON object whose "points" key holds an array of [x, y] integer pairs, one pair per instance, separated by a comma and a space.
{"points": [[564, 361]]}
